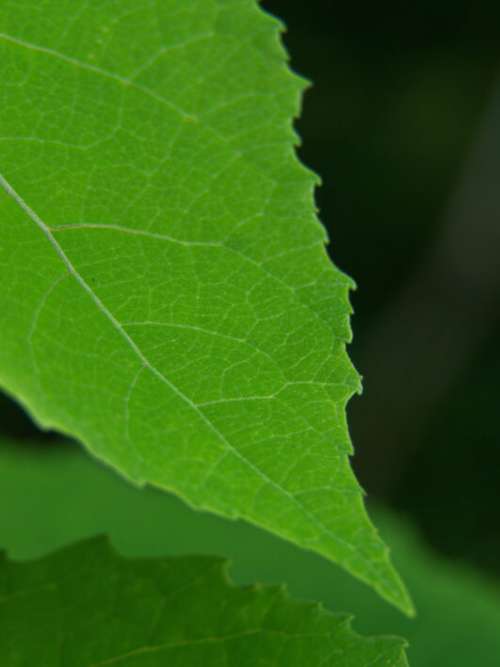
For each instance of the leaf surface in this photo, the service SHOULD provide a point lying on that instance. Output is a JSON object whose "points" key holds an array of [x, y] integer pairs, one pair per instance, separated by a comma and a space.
{"points": [[177, 611], [166, 295]]}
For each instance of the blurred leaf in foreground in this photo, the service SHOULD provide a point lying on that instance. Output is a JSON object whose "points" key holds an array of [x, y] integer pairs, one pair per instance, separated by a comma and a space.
{"points": [[86, 605], [51, 498]]}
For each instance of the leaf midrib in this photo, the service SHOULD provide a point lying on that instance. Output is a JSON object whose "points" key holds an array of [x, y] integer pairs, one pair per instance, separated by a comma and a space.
{"points": [[10, 191], [119, 328]]}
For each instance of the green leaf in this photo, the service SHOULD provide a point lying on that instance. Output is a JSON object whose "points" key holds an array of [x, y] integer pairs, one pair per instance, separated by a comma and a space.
{"points": [[166, 295], [177, 611], [48, 499]]}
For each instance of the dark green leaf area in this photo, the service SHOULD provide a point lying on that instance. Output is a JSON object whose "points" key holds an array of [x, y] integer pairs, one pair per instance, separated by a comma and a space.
{"points": [[85, 606]]}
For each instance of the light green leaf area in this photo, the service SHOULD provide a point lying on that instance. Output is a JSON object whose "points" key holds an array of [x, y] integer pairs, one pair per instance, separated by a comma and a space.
{"points": [[173, 611], [166, 295], [49, 499]]}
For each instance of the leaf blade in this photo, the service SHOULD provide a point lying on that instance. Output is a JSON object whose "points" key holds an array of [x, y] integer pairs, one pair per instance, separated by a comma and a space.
{"points": [[184, 320], [81, 499]]}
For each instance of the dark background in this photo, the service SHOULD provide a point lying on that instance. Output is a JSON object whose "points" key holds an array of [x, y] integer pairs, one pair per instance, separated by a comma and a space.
{"points": [[403, 125]]}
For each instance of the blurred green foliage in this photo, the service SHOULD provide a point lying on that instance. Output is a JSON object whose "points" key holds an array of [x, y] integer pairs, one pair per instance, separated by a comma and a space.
{"points": [[52, 497]]}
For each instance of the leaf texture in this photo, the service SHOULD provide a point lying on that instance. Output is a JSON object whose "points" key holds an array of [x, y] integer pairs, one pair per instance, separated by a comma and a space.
{"points": [[166, 295]]}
